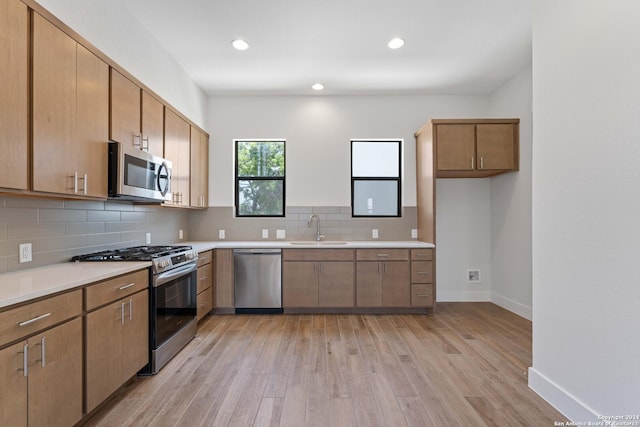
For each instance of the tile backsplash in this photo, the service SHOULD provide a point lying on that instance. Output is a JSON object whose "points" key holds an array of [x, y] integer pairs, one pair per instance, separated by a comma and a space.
{"points": [[60, 229], [336, 223]]}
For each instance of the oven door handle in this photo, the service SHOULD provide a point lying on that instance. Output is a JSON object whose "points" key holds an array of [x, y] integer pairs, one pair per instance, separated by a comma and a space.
{"points": [[168, 276]]}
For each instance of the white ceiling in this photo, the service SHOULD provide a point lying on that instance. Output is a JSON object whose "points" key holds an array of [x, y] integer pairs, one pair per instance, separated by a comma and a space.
{"points": [[452, 46]]}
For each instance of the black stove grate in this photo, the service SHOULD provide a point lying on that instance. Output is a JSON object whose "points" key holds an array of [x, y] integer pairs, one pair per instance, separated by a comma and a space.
{"points": [[135, 253]]}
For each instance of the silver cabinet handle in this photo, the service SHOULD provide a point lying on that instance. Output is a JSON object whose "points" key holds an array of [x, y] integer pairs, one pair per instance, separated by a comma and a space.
{"points": [[43, 351], [75, 182], [122, 313], [130, 309], [35, 319], [25, 360], [84, 184], [421, 254], [126, 286], [472, 167], [139, 138], [143, 147], [422, 295], [422, 272], [383, 255], [481, 163]]}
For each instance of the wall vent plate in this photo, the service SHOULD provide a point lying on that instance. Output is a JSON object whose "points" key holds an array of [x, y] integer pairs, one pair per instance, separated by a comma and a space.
{"points": [[473, 276]]}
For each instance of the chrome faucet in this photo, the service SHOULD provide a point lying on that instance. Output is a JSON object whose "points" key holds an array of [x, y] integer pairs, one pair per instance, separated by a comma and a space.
{"points": [[318, 235]]}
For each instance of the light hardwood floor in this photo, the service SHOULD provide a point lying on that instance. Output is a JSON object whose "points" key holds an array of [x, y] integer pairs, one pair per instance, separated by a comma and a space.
{"points": [[464, 366]]}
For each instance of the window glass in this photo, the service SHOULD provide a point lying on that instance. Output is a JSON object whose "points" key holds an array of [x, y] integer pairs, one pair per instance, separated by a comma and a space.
{"points": [[260, 177], [375, 177]]}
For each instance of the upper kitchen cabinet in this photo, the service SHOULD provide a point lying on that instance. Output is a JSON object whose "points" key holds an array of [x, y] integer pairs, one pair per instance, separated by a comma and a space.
{"points": [[70, 115], [199, 169], [13, 102], [177, 139], [475, 148], [136, 116]]}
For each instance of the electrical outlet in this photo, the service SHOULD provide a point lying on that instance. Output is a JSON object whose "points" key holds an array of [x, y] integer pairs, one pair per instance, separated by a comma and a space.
{"points": [[414, 233], [180, 234], [473, 276], [280, 234], [265, 233], [147, 238], [221, 234], [25, 252], [374, 233]]}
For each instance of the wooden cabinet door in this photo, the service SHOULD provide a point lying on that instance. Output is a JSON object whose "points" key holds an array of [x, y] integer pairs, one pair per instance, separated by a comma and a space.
{"points": [[13, 386], [13, 102], [300, 284], [224, 278], [205, 303], [103, 353], [55, 376], [54, 107], [369, 284], [205, 277], [455, 146], [125, 110], [177, 141], [336, 284], [152, 124], [92, 132], [496, 146], [135, 334], [396, 284], [199, 169]]}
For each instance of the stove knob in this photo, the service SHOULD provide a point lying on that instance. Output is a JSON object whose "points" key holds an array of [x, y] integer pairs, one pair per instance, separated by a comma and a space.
{"points": [[191, 255], [163, 263]]}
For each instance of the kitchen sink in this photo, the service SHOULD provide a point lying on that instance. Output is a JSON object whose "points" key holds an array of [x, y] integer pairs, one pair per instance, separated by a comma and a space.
{"points": [[321, 243]]}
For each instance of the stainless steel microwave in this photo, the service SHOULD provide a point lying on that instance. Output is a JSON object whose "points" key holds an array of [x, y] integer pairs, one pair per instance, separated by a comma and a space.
{"points": [[138, 176]]}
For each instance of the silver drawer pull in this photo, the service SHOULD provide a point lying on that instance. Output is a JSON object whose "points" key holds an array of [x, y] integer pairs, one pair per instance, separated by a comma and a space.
{"points": [[423, 295], [43, 351], [126, 286], [419, 254], [35, 319], [383, 255], [423, 272]]}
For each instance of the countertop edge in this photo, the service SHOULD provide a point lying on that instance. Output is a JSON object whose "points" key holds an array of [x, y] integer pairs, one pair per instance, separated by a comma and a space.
{"points": [[25, 285], [201, 246]]}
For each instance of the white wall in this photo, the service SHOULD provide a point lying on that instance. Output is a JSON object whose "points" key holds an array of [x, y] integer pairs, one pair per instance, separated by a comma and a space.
{"points": [[511, 204], [586, 206], [318, 130], [109, 26]]}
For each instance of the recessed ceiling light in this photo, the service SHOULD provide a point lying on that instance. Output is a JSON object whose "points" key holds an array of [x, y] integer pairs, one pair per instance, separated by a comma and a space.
{"points": [[396, 43], [240, 44], [317, 86]]}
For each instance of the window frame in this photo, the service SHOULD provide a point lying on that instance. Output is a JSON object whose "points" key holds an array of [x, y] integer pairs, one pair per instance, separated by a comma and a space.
{"points": [[237, 178], [397, 179]]}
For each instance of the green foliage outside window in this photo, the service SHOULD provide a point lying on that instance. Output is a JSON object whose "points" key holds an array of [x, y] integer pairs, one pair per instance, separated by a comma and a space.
{"points": [[260, 173]]}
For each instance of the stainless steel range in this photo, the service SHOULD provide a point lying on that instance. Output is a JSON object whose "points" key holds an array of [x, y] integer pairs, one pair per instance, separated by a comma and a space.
{"points": [[172, 305]]}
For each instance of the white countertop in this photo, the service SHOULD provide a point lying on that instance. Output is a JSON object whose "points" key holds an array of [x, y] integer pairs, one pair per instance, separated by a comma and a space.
{"points": [[24, 285], [286, 244]]}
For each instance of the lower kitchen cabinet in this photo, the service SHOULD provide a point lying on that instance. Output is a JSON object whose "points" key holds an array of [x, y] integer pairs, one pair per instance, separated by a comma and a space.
{"points": [[383, 278], [422, 275], [117, 337], [224, 278], [205, 284], [41, 376], [317, 278]]}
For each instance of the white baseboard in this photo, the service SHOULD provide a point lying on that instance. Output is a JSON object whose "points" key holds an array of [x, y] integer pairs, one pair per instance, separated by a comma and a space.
{"points": [[463, 296], [513, 306], [560, 399]]}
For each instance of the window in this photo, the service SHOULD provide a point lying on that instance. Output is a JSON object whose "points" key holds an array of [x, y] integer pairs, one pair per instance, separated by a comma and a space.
{"points": [[375, 178], [260, 178]]}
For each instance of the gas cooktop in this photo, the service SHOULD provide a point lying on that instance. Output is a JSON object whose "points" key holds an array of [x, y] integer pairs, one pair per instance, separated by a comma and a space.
{"points": [[135, 253]]}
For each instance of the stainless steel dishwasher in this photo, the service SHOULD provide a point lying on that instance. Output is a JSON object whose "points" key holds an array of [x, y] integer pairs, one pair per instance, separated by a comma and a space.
{"points": [[258, 280]]}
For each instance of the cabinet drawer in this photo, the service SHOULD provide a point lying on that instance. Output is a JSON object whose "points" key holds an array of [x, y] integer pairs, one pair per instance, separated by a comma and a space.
{"points": [[421, 272], [39, 315], [205, 277], [205, 303], [421, 295], [317, 255], [382, 254], [421, 254], [205, 258], [113, 289]]}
